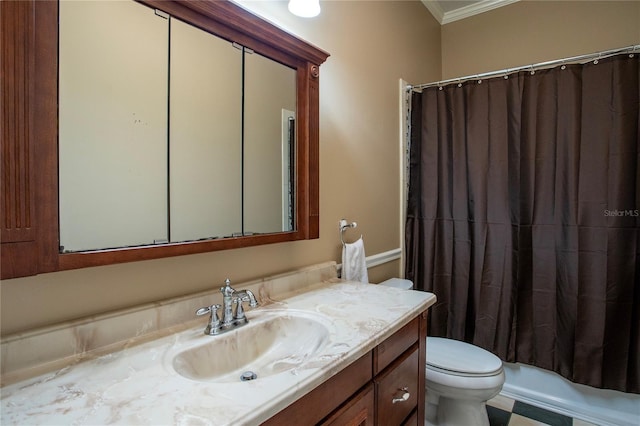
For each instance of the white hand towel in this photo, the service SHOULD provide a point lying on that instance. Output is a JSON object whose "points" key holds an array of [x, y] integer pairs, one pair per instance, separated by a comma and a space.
{"points": [[354, 265]]}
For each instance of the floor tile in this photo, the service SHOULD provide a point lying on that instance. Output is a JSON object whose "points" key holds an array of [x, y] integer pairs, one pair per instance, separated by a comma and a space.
{"points": [[541, 415], [498, 417], [518, 420], [501, 402]]}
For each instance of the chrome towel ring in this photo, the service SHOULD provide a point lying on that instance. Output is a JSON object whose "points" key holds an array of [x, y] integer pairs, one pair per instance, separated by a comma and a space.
{"points": [[343, 226]]}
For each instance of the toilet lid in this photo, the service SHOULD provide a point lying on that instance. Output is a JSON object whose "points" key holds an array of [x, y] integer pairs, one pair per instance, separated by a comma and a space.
{"points": [[460, 357]]}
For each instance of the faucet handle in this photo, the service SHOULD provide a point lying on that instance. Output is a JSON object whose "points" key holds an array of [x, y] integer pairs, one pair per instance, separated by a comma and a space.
{"points": [[243, 296], [239, 310], [204, 311], [214, 320]]}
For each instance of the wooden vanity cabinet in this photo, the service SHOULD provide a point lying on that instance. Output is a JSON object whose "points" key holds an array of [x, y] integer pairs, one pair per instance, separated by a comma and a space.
{"points": [[384, 387]]}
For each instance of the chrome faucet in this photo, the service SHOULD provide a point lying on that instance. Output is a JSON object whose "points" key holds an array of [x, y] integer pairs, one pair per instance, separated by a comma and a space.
{"points": [[229, 320], [227, 302]]}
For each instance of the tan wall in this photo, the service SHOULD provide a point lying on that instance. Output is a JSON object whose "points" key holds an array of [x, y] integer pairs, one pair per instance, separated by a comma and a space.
{"points": [[528, 32], [372, 45]]}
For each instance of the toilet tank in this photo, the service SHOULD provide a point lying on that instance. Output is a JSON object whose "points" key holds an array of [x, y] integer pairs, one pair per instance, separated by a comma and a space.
{"points": [[398, 283]]}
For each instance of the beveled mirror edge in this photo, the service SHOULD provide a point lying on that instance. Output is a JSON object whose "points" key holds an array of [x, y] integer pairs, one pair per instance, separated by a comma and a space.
{"points": [[43, 249]]}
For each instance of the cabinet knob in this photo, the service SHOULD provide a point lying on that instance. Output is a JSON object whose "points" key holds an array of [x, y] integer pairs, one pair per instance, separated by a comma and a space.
{"points": [[401, 395]]}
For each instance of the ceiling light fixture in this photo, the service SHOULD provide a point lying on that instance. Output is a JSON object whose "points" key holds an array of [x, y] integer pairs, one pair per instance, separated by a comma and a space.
{"points": [[305, 8]]}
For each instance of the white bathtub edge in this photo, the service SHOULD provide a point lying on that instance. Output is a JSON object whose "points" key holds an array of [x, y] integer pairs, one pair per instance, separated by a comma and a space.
{"points": [[544, 389]]}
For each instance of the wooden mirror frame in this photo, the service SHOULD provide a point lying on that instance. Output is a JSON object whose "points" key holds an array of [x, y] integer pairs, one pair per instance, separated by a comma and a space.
{"points": [[29, 179]]}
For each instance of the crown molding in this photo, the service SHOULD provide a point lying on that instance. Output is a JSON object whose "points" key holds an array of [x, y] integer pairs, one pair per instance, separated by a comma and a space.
{"points": [[463, 12], [435, 9]]}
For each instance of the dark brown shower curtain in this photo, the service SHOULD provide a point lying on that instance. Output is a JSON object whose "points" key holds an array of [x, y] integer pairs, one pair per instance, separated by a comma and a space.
{"points": [[524, 217]]}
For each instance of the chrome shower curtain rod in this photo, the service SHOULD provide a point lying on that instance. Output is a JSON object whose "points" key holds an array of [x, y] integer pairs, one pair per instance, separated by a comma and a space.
{"points": [[549, 64]]}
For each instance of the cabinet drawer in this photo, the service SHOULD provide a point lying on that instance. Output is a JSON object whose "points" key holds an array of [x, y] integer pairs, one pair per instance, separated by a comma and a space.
{"points": [[412, 420], [395, 345], [358, 411], [401, 377], [317, 404]]}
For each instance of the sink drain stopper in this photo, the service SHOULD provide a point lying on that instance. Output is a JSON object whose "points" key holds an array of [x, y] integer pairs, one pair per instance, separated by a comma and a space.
{"points": [[248, 375]]}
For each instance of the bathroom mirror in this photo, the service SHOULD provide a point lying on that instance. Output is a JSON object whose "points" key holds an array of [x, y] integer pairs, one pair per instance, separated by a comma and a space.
{"points": [[35, 241], [168, 133]]}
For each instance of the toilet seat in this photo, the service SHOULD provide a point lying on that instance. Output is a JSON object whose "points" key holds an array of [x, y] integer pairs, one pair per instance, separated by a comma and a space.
{"points": [[447, 356]]}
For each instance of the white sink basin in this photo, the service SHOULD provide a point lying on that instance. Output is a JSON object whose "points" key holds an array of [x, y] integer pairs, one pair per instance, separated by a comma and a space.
{"points": [[272, 342]]}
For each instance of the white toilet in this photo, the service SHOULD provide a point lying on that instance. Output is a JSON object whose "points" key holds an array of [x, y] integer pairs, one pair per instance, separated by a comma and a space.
{"points": [[460, 378]]}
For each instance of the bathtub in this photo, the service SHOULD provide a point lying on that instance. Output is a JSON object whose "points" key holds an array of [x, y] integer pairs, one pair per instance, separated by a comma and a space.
{"points": [[546, 389]]}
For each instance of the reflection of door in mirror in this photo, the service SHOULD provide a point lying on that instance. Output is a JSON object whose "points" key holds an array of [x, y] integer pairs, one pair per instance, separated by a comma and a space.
{"points": [[112, 125], [269, 88], [288, 169]]}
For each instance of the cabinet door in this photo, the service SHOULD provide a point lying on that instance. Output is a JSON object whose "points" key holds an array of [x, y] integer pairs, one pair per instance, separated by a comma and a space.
{"points": [[358, 411], [113, 70], [17, 174]]}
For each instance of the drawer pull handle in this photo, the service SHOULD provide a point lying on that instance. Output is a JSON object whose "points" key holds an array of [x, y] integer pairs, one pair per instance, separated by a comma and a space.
{"points": [[403, 397]]}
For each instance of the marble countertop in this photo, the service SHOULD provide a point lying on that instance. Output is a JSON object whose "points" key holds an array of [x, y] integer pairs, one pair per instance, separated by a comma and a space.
{"points": [[138, 385]]}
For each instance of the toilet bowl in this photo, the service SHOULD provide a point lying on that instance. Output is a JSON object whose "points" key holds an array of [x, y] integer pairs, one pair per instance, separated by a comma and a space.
{"points": [[460, 378]]}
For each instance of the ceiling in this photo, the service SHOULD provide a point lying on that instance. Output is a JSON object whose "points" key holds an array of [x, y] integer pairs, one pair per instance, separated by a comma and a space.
{"points": [[446, 11]]}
